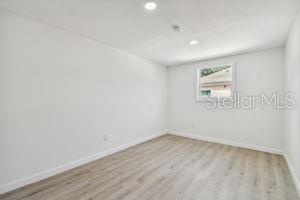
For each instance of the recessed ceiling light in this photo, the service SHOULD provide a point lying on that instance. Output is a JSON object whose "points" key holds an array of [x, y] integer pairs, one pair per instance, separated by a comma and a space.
{"points": [[193, 42], [150, 5]]}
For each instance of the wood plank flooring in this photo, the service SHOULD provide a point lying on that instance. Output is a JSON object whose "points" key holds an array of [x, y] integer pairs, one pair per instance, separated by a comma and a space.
{"points": [[170, 168]]}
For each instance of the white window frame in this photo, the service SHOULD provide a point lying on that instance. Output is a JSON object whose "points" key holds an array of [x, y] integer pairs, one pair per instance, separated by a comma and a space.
{"points": [[201, 98]]}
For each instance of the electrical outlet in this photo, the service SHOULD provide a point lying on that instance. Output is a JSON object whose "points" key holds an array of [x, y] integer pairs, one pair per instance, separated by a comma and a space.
{"points": [[105, 137]]}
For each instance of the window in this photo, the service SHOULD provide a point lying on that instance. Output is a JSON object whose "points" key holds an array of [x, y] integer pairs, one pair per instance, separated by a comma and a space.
{"points": [[215, 82]]}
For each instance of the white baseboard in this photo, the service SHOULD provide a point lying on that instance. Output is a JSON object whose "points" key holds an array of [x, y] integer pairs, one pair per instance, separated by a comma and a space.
{"points": [[227, 142], [246, 146], [293, 174], [51, 172]]}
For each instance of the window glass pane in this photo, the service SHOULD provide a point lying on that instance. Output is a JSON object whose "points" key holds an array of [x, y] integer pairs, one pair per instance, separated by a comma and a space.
{"points": [[216, 81]]}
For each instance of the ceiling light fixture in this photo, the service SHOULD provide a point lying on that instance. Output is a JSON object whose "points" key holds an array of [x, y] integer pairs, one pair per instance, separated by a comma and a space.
{"points": [[193, 42], [150, 5]]}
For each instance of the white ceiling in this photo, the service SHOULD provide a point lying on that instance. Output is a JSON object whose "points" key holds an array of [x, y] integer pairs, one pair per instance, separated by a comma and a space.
{"points": [[222, 27]]}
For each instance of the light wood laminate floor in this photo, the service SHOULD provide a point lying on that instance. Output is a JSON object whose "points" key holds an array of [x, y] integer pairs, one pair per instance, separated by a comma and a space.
{"points": [[170, 168]]}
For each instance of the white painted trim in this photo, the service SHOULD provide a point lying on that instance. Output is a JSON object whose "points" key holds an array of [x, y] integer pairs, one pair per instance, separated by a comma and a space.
{"points": [[56, 170], [227, 142], [246, 146], [51, 172], [293, 174]]}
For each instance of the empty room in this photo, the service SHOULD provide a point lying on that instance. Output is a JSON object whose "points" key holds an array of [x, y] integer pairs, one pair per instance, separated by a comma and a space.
{"points": [[149, 99]]}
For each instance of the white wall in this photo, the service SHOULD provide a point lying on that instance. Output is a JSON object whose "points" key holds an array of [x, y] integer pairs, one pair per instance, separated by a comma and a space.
{"points": [[256, 73], [59, 93], [292, 117]]}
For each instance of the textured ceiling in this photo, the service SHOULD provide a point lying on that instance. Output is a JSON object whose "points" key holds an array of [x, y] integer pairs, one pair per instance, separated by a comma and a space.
{"points": [[222, 27]]}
